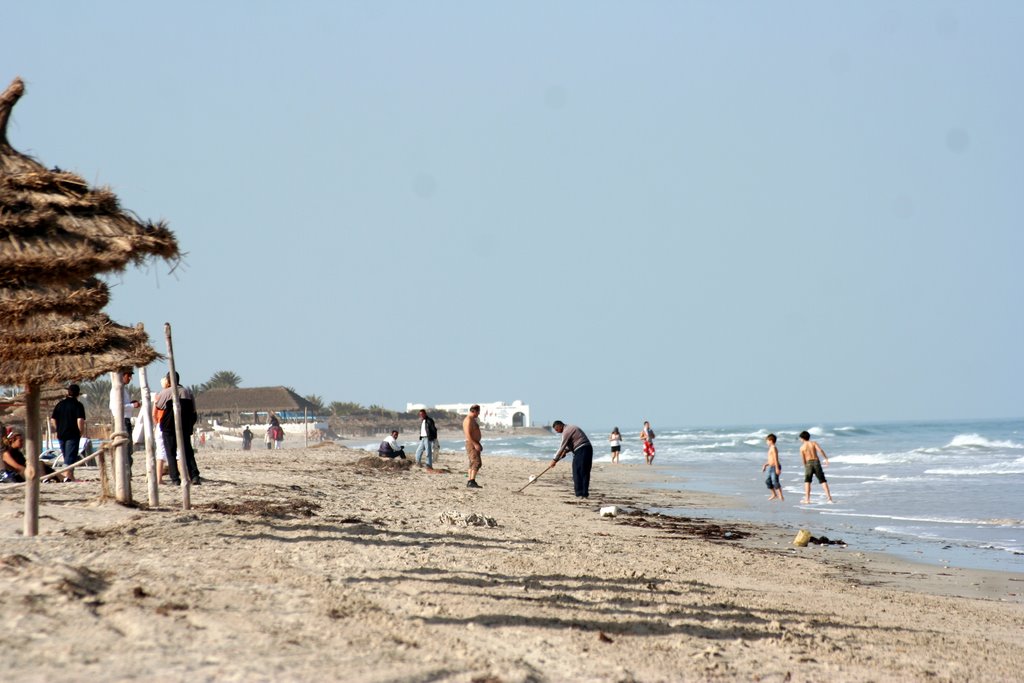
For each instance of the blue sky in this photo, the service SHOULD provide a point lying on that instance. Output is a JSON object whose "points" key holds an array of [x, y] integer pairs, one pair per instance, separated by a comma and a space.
{"points": [[693, 213]]}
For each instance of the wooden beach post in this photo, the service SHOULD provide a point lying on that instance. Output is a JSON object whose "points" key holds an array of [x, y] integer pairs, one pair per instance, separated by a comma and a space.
{"points": [[146, 413], [186, 480], [32, 449], [122, 474]]}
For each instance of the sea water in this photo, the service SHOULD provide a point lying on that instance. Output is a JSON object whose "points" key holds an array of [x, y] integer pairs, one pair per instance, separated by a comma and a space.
{"points": [[946, 493]]}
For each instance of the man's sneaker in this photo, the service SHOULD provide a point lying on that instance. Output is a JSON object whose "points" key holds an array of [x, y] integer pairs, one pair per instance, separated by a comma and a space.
{"points": [[175, 482], [196, 481], [471, 484]]}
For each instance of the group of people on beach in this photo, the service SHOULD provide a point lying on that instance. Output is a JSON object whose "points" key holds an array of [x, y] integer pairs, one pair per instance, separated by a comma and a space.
{"points": [[809, 452], [574, 441], [646, 439]]}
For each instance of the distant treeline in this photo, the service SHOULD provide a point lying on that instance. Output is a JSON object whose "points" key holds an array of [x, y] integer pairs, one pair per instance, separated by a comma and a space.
{"points": [[354, 418]]}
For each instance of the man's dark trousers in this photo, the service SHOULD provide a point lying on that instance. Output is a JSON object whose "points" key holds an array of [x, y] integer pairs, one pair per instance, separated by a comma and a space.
{"points": [[582, 460]]}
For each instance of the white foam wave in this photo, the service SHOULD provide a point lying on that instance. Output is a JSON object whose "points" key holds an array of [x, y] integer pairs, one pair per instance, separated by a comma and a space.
{"points": [[711, 446], [1012, 467], [926, 520], [874, 458], [978, 441]]}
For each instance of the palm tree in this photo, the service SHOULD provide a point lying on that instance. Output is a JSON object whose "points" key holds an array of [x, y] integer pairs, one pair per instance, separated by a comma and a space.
{"points": [[96, 398], [317, 401], [224, 379]]}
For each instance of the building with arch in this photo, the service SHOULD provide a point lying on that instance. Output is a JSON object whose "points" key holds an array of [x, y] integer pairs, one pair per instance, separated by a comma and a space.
{"points": [[497, 414]]}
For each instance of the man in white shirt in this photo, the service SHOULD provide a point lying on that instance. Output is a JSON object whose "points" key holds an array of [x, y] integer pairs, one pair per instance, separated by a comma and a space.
{"points": [[389, 447], [129, 404]]}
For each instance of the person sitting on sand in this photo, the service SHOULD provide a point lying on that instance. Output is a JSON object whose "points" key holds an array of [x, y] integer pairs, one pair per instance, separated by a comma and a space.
{"points": [[14, 460], [809, 451], [774, 468], [389, 447]]}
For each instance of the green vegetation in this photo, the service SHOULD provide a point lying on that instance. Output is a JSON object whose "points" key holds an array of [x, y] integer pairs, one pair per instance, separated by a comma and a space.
{"points": [[223, 379]]}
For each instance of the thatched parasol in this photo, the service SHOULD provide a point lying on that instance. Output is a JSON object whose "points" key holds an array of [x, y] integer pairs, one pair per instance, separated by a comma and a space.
{"points": [[56, 234]]}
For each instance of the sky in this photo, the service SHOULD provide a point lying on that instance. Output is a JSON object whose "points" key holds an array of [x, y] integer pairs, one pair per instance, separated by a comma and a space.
{"points": [[694, 213]]}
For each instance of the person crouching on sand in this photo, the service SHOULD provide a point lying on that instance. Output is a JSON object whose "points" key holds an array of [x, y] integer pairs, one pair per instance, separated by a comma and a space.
{"points": [[809, 451], [774, 468]]}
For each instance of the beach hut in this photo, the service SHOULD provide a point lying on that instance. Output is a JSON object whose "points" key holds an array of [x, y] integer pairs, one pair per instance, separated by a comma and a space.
{"points": [[56, 234], [254, 405]]}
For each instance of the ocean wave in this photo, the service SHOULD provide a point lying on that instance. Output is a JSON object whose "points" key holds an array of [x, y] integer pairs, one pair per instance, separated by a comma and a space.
{"points": [[711, 446], [851, 431], [928, 520], [978, 441], [1011, 467], [876, 458]]}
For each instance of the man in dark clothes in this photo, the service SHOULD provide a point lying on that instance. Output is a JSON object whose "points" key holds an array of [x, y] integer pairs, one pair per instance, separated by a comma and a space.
{"points": [[164, 402], [68, 420], [576, 442], [428, 435]]}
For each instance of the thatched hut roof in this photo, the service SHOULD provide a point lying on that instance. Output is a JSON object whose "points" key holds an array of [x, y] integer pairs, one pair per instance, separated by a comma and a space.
{"points": [[252, 399], [56, 233]]}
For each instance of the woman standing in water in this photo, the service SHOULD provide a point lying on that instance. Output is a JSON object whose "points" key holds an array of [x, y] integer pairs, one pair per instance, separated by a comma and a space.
{"points": [[615, 439], [647, 436]]}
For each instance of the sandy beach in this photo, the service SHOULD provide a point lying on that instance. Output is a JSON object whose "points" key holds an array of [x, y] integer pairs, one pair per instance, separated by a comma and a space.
{"points": [[314, 564]]}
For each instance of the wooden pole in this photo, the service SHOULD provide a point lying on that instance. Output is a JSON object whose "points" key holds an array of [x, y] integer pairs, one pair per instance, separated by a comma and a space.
{"points": [[186, 481], [32, 432], [146, 413], [122, 478], [305, 427]]}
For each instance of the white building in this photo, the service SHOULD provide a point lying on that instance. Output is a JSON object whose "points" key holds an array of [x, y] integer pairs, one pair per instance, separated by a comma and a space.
{"points": [[499, 414]]}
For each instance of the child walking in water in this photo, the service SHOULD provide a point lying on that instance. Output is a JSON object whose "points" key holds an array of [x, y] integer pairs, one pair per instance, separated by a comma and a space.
{"points": [[809, 451], [774, 468]]}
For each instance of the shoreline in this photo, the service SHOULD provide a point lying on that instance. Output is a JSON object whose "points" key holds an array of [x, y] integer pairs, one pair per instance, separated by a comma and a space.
{"points": [[731, 508], [313, 564], [887, 568]]}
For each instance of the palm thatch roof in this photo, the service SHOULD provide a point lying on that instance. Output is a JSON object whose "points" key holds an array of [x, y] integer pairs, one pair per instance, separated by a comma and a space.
{"points": [[56, 233], [252, 400]]}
